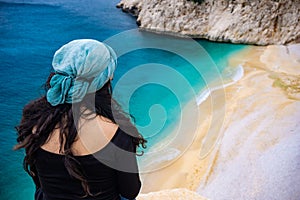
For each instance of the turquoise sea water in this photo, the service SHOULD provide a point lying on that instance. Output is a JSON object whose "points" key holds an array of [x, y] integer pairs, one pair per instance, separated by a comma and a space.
{"points": [[32, 30]]}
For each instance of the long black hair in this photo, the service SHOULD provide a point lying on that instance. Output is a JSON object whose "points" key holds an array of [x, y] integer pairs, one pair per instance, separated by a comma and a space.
{"points": [[42, 119]]}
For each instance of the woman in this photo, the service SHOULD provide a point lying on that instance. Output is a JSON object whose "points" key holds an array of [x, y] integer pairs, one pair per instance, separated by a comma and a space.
{"points": [[78, 142]]}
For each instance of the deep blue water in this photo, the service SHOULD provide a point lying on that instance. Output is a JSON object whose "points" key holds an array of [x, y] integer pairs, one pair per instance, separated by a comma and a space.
{"points": [[31, 31]]}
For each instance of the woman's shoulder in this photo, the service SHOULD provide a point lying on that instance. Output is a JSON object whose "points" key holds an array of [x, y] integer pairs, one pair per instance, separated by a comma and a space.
{"points": [[123, 140]]}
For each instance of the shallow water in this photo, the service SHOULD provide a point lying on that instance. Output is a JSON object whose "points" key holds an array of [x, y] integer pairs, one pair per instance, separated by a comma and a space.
{"points": [[32, 30]]}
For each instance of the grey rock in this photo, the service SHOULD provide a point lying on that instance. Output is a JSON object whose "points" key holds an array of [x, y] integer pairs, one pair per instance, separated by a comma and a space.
{"points": [[261, 22]]}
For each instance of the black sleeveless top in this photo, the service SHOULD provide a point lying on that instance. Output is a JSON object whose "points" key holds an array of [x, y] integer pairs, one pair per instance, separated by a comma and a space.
{"points": [[110, 172]]}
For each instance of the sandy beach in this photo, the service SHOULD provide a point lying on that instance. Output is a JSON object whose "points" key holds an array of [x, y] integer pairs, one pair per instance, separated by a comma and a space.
{"points": [[253, 152]]}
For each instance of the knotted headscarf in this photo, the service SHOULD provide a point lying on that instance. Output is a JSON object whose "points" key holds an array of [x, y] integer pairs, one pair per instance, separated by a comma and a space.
{"points": [[81, 67]]}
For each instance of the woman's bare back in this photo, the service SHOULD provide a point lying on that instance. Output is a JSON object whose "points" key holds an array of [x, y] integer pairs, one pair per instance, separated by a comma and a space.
{"points": [[93, 135]]}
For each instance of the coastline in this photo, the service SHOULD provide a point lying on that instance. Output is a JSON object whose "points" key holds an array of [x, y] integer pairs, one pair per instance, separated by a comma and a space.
{"points": [[264, 105], [255, 22]]}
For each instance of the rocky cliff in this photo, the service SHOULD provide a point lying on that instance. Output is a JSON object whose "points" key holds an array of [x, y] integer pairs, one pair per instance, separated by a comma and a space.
{"points": [[260, 22]]}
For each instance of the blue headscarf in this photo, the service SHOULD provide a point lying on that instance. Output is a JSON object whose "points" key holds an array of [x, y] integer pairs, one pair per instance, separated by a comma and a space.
{"points": [[81, 67]]}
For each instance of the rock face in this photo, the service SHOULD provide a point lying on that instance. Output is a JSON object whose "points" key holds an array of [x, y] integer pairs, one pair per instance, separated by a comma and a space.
{"points": [[239, 21]]}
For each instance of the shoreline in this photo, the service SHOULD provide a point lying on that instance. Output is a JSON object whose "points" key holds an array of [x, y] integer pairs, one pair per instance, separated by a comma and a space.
{"points": [[225, 82], [279, 78], [171, 153]]}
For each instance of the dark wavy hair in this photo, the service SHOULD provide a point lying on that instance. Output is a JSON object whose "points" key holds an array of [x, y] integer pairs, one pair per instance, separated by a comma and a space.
{"points": [[42, 118]]}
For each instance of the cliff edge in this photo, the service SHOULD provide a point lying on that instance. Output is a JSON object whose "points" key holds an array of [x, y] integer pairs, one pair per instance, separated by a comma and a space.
{"points": [[237, 21]]}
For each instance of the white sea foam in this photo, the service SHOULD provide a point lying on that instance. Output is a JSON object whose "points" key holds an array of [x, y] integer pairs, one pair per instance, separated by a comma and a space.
{"points": [[239, 73], [203, 96], [233, 75]]}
